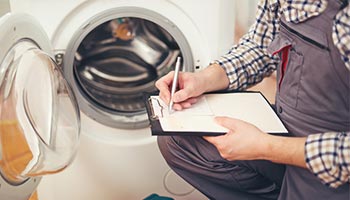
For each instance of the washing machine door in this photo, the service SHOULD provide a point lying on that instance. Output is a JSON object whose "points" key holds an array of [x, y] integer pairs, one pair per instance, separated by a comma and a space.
{"points": [[39, 116]]}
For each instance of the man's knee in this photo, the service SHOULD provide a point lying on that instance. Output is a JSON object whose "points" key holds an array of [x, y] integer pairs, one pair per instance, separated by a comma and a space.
{"points": [[166, 147]]}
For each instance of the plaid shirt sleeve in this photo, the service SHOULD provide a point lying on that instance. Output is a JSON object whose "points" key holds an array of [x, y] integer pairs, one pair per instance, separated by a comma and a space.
{"points": [[328, 157], [248, 62], [341, 34]]}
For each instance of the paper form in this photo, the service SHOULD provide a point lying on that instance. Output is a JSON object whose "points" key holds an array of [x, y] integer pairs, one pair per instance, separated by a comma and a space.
{"points": [[193, 118], [247, 106]]}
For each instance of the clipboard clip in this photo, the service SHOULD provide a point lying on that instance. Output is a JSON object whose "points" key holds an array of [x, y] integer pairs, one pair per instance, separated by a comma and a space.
{"points": [[155, 115]]}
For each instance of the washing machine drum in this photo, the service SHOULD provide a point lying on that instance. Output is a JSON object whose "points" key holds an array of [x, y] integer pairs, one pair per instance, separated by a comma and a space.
{"points": [[120, 59], [39, 117]]}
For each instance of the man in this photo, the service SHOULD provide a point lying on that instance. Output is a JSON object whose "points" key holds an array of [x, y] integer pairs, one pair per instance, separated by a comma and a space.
{"points": [[308, 43]]}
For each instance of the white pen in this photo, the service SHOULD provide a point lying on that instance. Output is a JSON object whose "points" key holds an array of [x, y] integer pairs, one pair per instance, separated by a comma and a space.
{"points": [[174, 85]]}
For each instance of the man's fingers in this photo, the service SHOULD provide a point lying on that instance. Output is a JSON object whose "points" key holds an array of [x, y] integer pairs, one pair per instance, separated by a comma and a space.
{"points": [[226, 122], [192, 100], [163, 85], [181, 95], [177, 107], [185, 104], [215, 140], [165, 96]]}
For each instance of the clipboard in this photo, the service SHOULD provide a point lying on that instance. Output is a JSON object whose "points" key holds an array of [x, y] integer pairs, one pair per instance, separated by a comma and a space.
{"points": [[199, 121]]}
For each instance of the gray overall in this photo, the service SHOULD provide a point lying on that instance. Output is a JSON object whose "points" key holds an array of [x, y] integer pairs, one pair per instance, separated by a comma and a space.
{"points": [[313, 96]]}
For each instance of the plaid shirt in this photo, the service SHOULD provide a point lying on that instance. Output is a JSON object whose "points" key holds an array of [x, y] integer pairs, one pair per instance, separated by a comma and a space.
{"points": [[328, 157], [248, 62]]}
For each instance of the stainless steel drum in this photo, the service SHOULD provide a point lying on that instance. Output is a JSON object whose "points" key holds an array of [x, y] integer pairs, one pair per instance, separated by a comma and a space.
{"points": [[122, 58], [116, 57]]}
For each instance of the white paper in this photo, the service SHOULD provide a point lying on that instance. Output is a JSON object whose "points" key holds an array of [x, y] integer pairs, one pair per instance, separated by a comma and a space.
{"points": [[249, 107]]}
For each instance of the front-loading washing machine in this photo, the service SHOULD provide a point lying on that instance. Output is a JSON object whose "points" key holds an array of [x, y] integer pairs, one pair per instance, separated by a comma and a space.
{"points": [[111, 51]]}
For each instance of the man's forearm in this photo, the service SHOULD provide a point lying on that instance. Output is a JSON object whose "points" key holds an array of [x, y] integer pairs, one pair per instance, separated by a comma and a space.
{"points": [[215, 78], [285, 150]]}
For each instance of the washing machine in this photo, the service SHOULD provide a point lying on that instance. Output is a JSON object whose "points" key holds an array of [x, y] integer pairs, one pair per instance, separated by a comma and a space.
{"points": [[111, 52]]}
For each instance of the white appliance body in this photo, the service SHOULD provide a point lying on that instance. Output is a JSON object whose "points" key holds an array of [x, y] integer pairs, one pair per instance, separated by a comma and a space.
{"points": [[125, 163]]}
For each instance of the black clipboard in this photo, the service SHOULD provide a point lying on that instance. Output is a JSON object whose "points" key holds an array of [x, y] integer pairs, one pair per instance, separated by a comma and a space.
{"points": [[157, 130]]}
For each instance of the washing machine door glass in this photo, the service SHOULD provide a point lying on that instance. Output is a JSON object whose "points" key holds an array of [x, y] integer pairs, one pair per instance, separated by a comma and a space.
{"points": [[39, 118], [122, 58]]}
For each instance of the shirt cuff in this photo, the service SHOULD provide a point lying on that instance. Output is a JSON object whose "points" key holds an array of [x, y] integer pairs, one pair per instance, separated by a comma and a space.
{"points": [[322, 159]]}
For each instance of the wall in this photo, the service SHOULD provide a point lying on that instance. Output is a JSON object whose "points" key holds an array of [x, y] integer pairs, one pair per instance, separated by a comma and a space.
{"points": [[4, 7]]}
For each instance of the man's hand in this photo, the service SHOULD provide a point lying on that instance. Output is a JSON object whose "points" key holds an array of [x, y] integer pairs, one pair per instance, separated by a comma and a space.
{"points": [[243, 141], [191, 85]]}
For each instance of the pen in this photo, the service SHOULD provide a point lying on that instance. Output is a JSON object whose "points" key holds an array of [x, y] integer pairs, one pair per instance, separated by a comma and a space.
{"points": [[174, 85]]}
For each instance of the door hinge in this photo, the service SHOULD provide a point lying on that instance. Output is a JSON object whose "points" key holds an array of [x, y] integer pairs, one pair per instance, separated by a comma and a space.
{"points": [[59, 59]]}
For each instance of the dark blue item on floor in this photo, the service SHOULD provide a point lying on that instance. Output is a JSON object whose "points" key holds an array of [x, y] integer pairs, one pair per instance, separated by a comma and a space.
{"points": [[157, 197]]}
